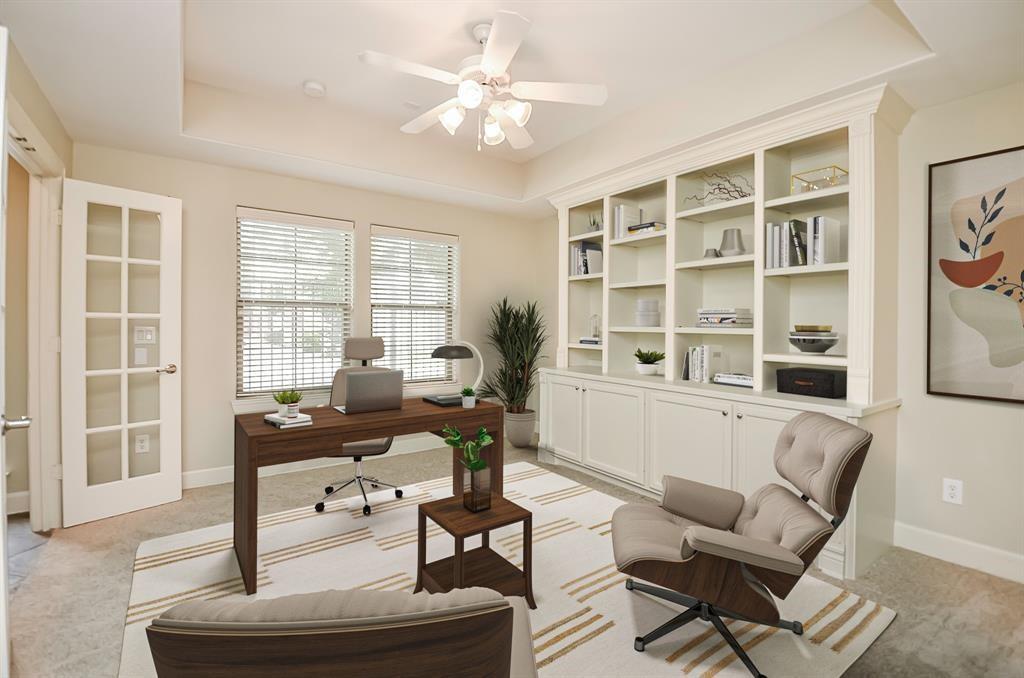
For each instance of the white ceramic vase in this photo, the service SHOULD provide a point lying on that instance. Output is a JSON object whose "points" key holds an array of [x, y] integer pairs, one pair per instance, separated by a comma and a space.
{"points": [[641, 368], [293, 409], [468, 402], [519, 428]]}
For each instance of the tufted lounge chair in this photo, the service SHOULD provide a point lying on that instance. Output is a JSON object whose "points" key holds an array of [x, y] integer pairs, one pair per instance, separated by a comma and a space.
{"points": [[721, 555]]}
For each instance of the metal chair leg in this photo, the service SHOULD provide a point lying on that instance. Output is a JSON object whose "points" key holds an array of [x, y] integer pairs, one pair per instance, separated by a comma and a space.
{"points": [[724, 631], [668, 627]]}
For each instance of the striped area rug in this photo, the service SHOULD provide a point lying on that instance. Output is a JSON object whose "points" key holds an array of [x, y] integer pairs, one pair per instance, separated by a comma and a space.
{"points": [[585, 621]]}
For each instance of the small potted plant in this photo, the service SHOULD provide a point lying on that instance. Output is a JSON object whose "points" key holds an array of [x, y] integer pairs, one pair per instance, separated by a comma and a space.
{"points": [[288, 403], [476, 494], [647, 361], [468, 398]]}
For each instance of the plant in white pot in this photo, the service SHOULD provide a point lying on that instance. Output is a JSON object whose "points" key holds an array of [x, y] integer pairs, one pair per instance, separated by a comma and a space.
{"points": [[468, 398], [288, 403], [647, 361], [518, 334]]}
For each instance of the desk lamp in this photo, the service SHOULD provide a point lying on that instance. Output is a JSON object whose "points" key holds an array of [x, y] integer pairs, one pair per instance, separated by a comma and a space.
{"points": [[460, 351]]}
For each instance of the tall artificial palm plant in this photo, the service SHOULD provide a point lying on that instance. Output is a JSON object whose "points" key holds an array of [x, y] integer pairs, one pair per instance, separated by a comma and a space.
{"points": [[518, 334]]}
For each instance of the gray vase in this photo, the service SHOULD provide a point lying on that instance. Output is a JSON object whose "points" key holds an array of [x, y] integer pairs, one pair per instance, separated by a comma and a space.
{"points": [[732, 243], [519, 428]]}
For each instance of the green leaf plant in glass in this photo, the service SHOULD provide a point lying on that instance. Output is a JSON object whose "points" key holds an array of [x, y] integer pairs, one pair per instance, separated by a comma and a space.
{"points": [[476, 484]]}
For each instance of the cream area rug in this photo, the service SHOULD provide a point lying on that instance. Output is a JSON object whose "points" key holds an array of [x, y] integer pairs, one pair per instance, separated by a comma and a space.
{"points": [[585, 619]]}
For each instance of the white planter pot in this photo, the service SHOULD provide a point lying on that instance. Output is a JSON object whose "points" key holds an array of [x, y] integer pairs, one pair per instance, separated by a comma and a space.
{"points": [[468, 402], [646, 369], [293, 410], [519, 428], [282, 410]]}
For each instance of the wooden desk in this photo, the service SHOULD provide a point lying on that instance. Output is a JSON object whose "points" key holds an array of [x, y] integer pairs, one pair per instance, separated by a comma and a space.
{"points": [[260, 444]]}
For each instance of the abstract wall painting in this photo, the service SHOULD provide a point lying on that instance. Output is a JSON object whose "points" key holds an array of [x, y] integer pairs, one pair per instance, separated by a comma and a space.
{"points": [[976, 276]]}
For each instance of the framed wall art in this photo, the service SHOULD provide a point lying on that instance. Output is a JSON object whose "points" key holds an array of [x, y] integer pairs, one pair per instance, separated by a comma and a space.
{"points": [[976, 276]]}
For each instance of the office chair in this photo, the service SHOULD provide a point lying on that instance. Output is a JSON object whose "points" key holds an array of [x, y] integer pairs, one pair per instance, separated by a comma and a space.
{"points": [[363, 349], [720, 555]]}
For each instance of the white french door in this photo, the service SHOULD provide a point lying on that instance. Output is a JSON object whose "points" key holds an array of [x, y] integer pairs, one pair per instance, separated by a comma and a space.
{"points": [[120, 350]]}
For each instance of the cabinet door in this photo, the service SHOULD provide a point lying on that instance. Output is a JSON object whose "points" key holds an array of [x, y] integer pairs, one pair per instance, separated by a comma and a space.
{"points": [[756, 429], [689, 437], [613, 428], [563, 415]]}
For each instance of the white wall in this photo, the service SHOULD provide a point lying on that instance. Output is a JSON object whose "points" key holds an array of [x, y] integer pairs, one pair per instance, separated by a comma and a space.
{"points": [[500, 256], [981, 443]]}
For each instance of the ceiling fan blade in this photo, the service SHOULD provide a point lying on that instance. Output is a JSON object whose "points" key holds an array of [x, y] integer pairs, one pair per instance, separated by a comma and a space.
{"points": [[428, 119], [410, 67], [507, 33], [561, 92], [517, 136]]}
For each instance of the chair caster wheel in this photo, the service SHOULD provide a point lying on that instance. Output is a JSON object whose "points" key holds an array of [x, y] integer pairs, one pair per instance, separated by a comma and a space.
{"points": [[319, 508], [638, 644], [374, 485], [398, 494], [366, 510], [629, 584], [329, 489], [798, 628]]}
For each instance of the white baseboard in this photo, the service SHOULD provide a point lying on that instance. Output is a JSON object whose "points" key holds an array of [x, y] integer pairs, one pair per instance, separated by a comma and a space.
{"points": [[225, 474], [998, 562], [17, 502]]}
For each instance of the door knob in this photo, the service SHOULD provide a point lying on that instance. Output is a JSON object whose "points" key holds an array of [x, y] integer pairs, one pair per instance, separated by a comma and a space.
{"points": [[9, 425], [725, 413], [170, 369], [739, 416]]}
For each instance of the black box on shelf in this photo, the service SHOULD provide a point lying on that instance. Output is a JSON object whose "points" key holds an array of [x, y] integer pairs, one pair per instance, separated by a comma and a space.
{"points": [[811, 382]]}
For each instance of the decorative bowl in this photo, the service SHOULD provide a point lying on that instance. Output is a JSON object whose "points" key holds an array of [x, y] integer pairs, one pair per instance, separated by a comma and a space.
{"points": [[814, 344]]}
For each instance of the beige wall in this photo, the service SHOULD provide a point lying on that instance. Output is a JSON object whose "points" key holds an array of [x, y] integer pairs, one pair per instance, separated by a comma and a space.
{"points": [[980, 442], [500, 256], [16, 324], [23, 87]]}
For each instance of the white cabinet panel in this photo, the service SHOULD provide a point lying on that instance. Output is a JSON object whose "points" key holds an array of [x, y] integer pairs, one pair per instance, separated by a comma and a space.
{"points": [[756, 432], [614, 429], [689, 437], [563, 413]]}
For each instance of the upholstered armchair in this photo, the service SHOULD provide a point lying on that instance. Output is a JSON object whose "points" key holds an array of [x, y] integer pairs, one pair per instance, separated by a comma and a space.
{"points": [[722, 555]]}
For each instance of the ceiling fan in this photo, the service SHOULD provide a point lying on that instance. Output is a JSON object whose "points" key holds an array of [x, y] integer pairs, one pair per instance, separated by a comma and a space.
{"points": [[484, 85]]}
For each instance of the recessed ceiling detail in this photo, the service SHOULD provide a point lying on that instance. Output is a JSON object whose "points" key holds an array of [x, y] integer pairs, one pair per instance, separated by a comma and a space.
{"points": [[485, 90]]}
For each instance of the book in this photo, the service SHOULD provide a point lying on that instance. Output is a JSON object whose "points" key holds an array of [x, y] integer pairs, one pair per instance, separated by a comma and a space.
{"points": [[648, 226], [288, 422], [824, 240], [796, 245], [734, 379], [591, 341], [625, 216]]}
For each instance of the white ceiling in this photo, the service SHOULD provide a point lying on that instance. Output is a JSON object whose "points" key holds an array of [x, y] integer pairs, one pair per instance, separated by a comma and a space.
{"points": [[642, 50], [116, 75]]}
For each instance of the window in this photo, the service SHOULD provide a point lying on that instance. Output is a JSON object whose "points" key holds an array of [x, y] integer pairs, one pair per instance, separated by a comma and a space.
{"points": [[413, 300], [294, 302]]}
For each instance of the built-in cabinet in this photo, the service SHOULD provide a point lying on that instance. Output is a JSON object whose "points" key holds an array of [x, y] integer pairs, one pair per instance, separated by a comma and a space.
{"points": [[613, 429], [689, 437]]}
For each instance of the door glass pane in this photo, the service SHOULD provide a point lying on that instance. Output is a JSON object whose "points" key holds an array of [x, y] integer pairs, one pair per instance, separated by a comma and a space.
{"points": [[143, 234], [102, 343], [144, 342], [103, 234], [143, 288], [103, 457], [102, 401], [102, 287], [143, 451], [143, 397]]}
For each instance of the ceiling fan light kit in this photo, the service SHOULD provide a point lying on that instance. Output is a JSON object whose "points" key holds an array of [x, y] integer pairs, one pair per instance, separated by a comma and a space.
{"points": [[483, 82]]}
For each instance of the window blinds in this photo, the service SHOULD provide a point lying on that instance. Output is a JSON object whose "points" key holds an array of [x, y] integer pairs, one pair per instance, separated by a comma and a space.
{"points": [[294, 301], [413, 305]]}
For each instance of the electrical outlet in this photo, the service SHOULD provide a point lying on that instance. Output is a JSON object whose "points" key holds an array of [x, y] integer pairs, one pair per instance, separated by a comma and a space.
{"points": [[952, 491], [142, 443]]}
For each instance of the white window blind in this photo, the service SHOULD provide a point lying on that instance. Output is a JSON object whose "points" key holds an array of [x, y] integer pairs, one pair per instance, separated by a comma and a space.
{"points": [[294, 302], [413, 304]]}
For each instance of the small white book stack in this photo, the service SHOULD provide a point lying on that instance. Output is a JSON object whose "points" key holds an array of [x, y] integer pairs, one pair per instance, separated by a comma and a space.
{"points": [[734, 379], [700, 362], [299, 420], [725, 317]]}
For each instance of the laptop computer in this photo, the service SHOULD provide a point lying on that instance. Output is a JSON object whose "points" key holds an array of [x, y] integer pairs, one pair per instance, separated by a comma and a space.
{"points": [[372, 391]]}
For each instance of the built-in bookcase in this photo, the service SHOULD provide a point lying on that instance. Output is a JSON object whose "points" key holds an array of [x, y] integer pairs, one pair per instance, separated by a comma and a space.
{"points": [[670, 266]]}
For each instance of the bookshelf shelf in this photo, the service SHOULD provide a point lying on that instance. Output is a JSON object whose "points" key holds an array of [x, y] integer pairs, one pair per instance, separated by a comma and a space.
{"points": [[718, 262], [840, 267], [586, 277], [721, 210], [823, 199], [810, 359], [592, 235], [637, 284], [649, 239], [587, 347], [626, 329], [716, 330]]}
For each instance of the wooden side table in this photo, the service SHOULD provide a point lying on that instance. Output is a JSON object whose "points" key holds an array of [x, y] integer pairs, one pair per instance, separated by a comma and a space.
{"points": [[481, 566]]}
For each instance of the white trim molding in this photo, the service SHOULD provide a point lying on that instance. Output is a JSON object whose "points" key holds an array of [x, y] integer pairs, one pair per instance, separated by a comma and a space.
{"points": [[988, 559], [17, 502]]}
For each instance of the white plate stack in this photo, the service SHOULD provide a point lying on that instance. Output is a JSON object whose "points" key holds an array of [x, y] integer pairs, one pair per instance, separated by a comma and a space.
{"points": [[647, 314]]}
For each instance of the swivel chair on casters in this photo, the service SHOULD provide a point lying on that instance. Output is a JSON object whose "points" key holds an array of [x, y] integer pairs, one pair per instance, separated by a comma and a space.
{"points": [[719, 554], [364, 350]]}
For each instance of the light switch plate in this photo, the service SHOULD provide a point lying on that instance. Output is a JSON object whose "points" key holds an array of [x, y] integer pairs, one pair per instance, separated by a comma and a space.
{"points": [[142, 443], [145, 334], [141, 357]]}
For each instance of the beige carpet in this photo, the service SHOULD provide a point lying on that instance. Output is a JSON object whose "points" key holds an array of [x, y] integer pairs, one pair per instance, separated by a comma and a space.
{"points": [[585, 622]]}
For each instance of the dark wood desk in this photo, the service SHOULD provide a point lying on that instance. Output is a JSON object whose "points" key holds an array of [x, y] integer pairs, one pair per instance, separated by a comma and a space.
{"points": [[260, 444]]}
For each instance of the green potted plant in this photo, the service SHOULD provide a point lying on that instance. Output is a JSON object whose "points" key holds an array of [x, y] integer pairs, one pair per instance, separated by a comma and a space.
{"points": [[518, 334], [647, 361], [288, 403], [476, 495], [468, 398]]}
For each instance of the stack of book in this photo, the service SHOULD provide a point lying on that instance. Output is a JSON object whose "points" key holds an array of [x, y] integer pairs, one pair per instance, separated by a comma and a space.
{"points": [[591, 341], [645, 227], [301, 419], [700, 362], [734, 379], [799, 243], [724, 317], [586, 258]]}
